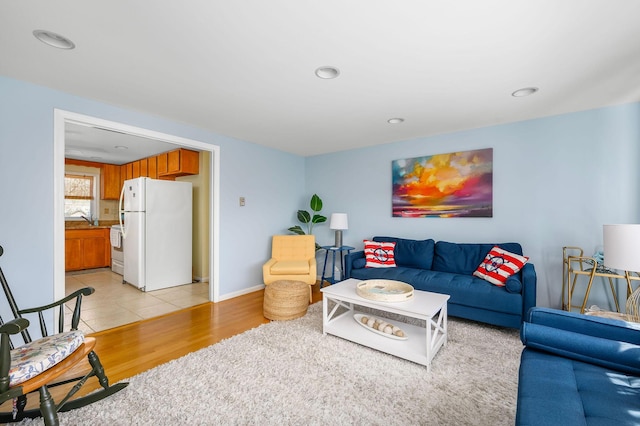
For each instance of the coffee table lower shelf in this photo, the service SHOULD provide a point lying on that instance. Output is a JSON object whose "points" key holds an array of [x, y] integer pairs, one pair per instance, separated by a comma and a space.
{"points": [[420, 346]]}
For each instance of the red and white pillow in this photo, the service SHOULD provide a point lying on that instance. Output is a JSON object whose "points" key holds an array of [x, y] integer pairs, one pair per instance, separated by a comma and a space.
{"points": [[499, 265], [379, 254]]}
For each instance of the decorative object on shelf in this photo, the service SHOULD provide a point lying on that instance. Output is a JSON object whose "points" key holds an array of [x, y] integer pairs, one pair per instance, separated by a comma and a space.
{"points": [[306, 218], [339, 222], [385, 290], [457, 184], [622, 251], [380, 326]]}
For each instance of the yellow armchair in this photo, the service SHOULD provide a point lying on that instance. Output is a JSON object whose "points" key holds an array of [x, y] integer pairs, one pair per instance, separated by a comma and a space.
{"points": [[293, 257]]}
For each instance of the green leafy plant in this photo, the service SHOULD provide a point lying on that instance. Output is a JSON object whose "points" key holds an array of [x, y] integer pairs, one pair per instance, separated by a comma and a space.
{"points": [[308, 219]]}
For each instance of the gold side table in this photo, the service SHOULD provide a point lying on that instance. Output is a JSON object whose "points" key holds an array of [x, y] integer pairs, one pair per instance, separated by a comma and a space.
{"points": [[575, 266]]}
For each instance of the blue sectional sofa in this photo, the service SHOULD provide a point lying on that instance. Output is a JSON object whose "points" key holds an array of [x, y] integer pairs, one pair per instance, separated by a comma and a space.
{"points": [[445, 267], [578, 370]]}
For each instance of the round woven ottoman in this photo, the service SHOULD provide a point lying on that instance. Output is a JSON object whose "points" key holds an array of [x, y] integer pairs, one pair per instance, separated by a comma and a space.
{"points": [[285, 300]]}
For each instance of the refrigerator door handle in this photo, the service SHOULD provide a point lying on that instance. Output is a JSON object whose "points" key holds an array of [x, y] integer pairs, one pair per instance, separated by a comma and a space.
{"points": [[120, 212]]}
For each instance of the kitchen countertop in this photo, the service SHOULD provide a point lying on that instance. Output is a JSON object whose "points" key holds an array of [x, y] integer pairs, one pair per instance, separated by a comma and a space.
{"points": [[103, 224]]}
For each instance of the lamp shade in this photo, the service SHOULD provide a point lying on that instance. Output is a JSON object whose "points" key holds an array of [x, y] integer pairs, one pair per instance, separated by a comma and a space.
{"points": [[339, 221], [622, 247]]}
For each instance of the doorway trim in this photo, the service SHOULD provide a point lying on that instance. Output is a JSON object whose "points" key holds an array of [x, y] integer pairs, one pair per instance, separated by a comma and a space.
{"points": [[60, 118]]}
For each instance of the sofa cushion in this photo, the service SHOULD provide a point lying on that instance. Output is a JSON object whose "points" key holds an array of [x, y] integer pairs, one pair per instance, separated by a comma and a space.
{"points": [[465, 258], [498, 265], [359, 263], [464, 290], [553, 390], [411, 253], [379, 254]]}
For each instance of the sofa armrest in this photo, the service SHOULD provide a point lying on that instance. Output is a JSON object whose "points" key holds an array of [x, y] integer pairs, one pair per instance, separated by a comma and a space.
{"points": [[586, 324], [348, 262], [609, 343], [529, 287]]}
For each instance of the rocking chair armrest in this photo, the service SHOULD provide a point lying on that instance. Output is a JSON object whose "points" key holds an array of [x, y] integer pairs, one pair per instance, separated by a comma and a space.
{"points": [[86, 291], [75, 317], [14, 326], [11, 327]]}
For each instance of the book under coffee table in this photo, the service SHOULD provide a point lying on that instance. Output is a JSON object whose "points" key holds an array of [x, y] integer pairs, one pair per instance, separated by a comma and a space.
{"points": [[340, 303]]}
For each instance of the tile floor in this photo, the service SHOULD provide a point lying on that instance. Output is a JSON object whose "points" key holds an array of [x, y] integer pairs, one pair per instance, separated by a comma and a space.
{"points": [[114, 304]]}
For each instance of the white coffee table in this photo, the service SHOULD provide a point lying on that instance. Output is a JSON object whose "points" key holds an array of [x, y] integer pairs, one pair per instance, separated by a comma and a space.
{"points": [[422, 343]]}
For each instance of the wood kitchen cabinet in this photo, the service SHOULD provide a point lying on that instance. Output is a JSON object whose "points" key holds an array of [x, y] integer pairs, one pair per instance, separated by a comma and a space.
{"points": [[179, 162], [110, 182], [144, 167], [87, 249], [135, 169], [152, 167]]}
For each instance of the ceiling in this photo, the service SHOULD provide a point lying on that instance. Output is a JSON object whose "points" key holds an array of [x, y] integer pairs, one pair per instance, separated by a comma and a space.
{"points": [[103, 145], [245, 69]]}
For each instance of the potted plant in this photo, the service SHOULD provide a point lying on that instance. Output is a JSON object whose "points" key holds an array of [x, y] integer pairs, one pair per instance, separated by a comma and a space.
{"points": [[308, 219]]}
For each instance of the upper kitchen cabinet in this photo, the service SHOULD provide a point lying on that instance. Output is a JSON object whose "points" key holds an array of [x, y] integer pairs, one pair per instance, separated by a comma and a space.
{"points": [[110, 182], [179, 162], [152, 167]]}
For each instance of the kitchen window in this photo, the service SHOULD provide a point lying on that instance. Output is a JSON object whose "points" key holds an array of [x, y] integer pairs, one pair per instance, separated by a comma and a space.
{"points": [[80, 197]]}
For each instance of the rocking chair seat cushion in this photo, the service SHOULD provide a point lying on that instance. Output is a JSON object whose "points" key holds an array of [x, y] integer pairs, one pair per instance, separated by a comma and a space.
{"points": [[38, 356]]}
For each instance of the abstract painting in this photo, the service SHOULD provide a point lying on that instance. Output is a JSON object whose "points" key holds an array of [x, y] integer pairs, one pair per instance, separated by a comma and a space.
{"points": [[458, 184]]}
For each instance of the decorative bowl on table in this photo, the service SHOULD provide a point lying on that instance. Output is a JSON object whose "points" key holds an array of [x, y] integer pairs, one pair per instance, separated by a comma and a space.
{"points": [[385, 290], [380, 326]]}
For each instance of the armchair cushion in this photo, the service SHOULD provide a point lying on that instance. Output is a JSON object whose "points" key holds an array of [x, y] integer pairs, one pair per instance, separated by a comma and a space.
{"points": [[36, 357], [283, 267]]}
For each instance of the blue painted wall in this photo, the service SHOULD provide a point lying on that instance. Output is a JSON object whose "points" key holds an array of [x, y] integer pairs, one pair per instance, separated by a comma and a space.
{"points": [[272, 182], [557, 180]]}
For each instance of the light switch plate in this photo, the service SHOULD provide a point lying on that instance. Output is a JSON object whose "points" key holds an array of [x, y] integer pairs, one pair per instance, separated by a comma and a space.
{"points": [[241, 201]]}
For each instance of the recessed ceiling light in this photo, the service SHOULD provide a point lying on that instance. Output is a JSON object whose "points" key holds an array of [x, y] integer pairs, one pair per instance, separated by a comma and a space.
{"points": [[395, 120], [327, 73], [524, 92], [53, 39], [121, 147]]}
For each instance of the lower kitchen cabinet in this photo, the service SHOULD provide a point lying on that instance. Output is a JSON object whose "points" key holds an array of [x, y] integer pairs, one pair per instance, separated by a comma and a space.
{"points": [[87, 248]]}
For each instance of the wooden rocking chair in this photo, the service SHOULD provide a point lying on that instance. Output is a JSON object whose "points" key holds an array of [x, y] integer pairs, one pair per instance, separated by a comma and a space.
{"points": [[40, 364]]}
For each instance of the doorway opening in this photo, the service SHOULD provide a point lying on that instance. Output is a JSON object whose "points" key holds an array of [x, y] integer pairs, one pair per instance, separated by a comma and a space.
{"points": [[64, 118]]}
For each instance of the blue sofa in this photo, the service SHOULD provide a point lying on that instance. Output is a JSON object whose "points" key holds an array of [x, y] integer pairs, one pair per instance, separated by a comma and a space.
{"points": [[578, 370], [447, 268]]}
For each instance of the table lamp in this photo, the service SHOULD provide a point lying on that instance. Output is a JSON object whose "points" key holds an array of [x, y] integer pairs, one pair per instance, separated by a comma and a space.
{"points": [[339, 222], [622, 251]]}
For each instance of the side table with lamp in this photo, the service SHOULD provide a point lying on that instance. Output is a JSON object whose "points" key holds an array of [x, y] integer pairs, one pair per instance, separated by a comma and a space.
{"points": [[338, 222], [622, 251]]}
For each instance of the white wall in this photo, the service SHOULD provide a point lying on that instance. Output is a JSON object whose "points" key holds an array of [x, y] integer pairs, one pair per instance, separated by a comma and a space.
{"points": [[271, 181], [556, 181]]}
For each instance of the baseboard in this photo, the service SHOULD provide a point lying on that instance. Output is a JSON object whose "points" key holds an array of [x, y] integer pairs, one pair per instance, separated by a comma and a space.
{"points": [[200, 279], [241, 292]]}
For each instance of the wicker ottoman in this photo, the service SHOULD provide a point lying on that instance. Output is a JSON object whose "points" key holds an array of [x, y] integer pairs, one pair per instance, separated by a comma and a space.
{"points": [[285, 300]]}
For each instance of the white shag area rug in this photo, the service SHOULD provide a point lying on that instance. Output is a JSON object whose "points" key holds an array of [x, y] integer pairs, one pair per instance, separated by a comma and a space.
{"points": [[289, 373]]}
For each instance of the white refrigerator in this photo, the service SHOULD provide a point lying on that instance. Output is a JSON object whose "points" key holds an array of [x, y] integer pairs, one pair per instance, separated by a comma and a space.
{"points": [[156, 232]]}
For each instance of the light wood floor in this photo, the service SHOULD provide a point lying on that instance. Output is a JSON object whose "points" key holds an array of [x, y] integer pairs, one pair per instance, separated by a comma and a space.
{"points": [[133, 348]]}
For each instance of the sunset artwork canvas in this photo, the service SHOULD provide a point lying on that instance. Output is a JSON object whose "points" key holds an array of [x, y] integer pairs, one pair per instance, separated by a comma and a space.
{"points": [[458, 184]]}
